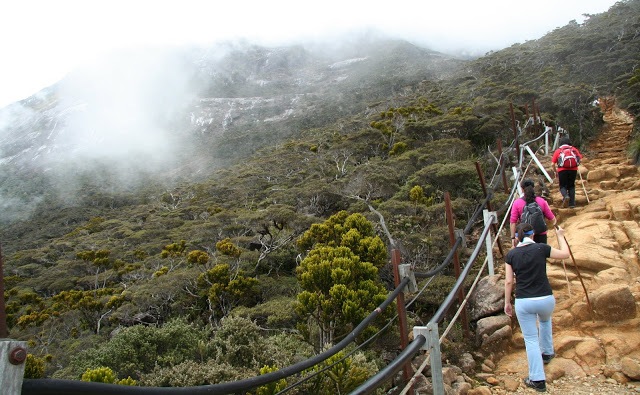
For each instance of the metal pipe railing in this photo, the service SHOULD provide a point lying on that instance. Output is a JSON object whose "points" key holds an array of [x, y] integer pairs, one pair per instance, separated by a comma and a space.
{"points": [[74, 387]]}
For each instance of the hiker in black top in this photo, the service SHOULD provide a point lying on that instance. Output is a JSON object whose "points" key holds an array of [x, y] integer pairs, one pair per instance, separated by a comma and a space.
{"points": [[534, 300]]}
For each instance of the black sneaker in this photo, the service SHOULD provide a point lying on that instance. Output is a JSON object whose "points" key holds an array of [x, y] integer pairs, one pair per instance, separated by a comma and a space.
{"points": [[539, 386], [546, 358]]}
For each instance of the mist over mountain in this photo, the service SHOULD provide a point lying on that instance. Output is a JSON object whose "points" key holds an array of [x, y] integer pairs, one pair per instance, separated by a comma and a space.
{"points": [[171, 114]]}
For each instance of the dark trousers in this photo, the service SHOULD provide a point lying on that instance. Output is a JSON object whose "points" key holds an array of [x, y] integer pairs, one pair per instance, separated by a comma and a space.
{"points": [[567, 180]]}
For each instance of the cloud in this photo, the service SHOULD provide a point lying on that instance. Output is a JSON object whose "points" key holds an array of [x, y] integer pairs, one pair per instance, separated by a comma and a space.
{"points": [[42, 40]]}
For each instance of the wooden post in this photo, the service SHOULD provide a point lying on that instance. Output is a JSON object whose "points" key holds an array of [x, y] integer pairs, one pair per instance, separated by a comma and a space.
{"points": [[502, 172], [494, 227], [515, 132], [456, 262], [534, 114], [402, 312]]}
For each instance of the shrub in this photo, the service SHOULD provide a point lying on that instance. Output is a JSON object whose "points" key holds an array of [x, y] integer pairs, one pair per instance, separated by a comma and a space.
{"points": [[34, 367], [139, 349], [191, 373]]}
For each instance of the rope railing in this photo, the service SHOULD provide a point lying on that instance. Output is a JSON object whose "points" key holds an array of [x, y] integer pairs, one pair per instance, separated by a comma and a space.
{"points": [[463, 304], [74, 387], [419, 340], [374, 382]]}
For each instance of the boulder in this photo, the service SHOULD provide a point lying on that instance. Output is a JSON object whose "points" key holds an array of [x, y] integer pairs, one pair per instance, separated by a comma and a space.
{"points": [[487, 298], [614, 275], [614, 302], [487, 327], [630, 367]]}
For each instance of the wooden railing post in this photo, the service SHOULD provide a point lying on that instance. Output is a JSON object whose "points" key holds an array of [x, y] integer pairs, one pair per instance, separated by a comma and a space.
{"points": [[402, 312], [456, 262], [494, 227], [502, 166], [515, 132]]}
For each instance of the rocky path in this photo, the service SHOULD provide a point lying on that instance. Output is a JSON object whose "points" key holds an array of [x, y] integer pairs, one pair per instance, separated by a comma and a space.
{"points": [[597, 340]]}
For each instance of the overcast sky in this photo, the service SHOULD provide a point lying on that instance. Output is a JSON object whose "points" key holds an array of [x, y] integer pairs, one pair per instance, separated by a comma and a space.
{"points": [[41, 41]]}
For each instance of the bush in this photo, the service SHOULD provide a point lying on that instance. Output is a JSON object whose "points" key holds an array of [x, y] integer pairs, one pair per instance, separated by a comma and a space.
{"points": [[238, 342], [139, 349], [34, 367], [275, 313], [191, 373]]}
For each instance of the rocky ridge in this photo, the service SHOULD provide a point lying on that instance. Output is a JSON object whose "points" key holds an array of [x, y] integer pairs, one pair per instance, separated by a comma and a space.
{"points": [[597, 339]]}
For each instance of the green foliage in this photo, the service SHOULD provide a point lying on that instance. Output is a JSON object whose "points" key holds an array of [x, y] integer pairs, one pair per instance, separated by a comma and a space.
{"points": [[278, 312], [226, 247], [139, 349], [161, 272], [191, 373], [174, 249], [338, 288], [227, 289], [634, 151], [460, 179], [34, 367], [105, 375], [238, 342], [198, 256], [99, 375], [342, 376], [416, 194], [353, 231], [128, 381], [271, 388]]}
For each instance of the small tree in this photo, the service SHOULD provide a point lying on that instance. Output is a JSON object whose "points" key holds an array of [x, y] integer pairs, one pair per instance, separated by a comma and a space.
{"points": [[339, 276], [225, 290]]}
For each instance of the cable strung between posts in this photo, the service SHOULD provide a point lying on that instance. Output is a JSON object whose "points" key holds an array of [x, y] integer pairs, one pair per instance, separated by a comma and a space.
{"points": [[418, 371], [457, 243], [350, 353], [75, 387], [366, 341], [413, 347]]}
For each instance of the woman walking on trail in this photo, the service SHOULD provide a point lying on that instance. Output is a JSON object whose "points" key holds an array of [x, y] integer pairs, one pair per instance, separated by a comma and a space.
{"points": [[534, 300], [565, 163], [519, 206]]}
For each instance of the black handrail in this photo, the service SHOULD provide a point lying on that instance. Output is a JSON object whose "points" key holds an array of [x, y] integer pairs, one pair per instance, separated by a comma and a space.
{"points": [[75, 387], [458, 241], [394, 367], [444, 306], [419, 340]]}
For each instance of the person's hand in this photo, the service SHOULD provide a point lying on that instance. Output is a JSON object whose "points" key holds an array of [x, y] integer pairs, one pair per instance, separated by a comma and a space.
{"points": [[508, 309], [559, 231], [514, 242]]}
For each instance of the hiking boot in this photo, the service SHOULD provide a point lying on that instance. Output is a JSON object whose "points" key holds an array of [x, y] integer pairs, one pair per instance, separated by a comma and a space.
{"points": [[546, 358], [565, 201], [539, 386]]}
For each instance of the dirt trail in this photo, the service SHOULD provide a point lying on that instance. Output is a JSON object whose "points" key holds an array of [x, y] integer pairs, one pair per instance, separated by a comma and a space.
{"points": [[589, 347]]}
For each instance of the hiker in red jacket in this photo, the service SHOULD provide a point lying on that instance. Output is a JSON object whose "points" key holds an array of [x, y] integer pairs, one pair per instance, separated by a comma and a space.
{"points": [[565, 163]]}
